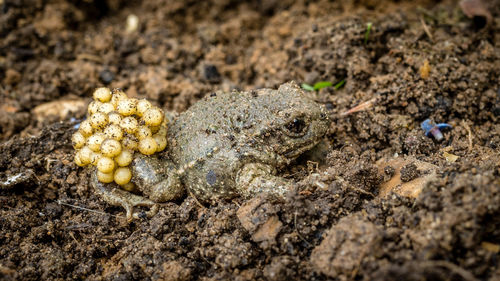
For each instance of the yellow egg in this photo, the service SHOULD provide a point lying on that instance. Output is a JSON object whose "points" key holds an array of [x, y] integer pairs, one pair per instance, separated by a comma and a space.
{"points": [[113, 132], [98, 120], [129, 143], [129, 187], [162, 131], [111, 148], [85, 155], [78, 140], [143, 132], [106, 108], [124, 158], [105, 178], [106, 165], [126, 107], [123, 175], [85, 128], [161, 141], [117, 96], [114, 118], [142, 106], [153, 116], [129, 124], [148, 146], [94, 158], [155, 129], [94, 141], [102, 94], [93, 107], [78, 161]]}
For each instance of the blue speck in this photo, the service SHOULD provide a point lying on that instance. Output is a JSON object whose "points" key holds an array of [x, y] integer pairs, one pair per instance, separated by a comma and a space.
{"points": [[430, 128]]}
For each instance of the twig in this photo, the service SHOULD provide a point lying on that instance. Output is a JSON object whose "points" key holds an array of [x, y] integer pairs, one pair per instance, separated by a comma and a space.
{"points": [[86, 209], [89, 57], [361, 107], [362, 191], [73, 236], [297, 231], [196, 200], [426, 29]]}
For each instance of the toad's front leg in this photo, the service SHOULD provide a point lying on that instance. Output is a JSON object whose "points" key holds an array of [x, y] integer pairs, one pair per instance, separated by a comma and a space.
{"points": [[256, 178]]}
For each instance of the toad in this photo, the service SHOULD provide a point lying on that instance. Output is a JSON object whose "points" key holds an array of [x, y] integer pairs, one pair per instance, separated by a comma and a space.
{"points": [[225, 145]]}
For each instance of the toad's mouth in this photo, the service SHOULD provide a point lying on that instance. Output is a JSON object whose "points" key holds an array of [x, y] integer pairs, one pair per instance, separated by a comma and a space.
{"points": [[299, 148]]}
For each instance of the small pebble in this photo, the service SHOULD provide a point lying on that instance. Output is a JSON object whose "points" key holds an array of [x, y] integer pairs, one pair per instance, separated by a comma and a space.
{"points": [[211, 73], [132, 23], [106, 76]]}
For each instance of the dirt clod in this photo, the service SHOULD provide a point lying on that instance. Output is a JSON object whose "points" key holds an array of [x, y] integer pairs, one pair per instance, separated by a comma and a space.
{"points": [[409, 172], [345, 247], [258, 217]]}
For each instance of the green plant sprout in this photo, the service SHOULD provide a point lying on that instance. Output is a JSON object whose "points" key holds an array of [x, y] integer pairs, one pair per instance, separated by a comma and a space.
{"points": [[322, 84], [339, 84], [368, 30]]}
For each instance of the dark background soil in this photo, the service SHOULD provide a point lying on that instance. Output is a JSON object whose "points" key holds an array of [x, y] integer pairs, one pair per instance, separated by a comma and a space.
{"points": [[339, 225]]}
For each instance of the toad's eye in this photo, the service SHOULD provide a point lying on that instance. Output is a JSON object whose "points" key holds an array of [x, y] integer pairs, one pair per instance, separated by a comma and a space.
{"points": [[297, 127]]}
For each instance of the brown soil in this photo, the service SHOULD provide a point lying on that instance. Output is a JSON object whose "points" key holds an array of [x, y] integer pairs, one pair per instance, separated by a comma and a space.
{"points": [[339, 225]]}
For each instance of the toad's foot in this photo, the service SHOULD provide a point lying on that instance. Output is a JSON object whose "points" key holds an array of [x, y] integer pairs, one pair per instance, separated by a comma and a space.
{"points": [[256, 178], [112, 194]]}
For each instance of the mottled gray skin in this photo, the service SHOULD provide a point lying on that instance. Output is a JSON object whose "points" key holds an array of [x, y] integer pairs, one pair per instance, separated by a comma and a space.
{"points": [[225, 145]]}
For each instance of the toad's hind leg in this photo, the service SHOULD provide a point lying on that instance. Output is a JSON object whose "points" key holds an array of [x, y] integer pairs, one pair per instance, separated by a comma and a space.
{"points": [[256, 178], [114, 195]]}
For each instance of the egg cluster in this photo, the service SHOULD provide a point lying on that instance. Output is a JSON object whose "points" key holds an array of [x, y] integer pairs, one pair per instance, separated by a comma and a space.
{"points": [[117, 127]]}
